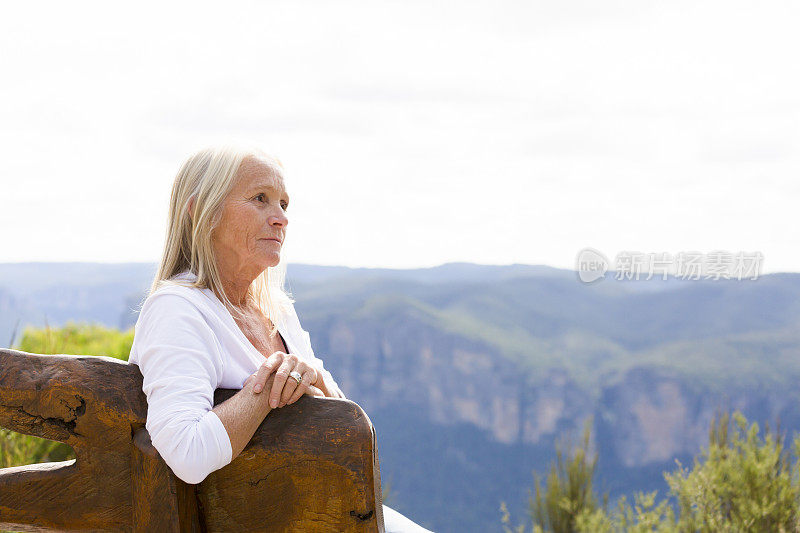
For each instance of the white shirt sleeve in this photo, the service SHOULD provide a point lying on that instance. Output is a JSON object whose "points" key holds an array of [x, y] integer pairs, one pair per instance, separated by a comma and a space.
{"points": [[182, 364]]}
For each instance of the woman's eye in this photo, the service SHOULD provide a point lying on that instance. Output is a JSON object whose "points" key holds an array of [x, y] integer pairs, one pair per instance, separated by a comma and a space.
{"points": [[263, 198]]}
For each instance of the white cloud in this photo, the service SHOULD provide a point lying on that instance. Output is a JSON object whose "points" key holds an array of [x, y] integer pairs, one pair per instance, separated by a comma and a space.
{"points": [[414, 133]]}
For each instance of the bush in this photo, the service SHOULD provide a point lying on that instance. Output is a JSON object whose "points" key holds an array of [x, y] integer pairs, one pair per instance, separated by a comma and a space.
{"points": [[741, 482], [568, 492]]}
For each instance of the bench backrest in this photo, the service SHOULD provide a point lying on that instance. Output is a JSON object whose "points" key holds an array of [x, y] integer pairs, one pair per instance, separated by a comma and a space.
{"points": [[312, 465]]}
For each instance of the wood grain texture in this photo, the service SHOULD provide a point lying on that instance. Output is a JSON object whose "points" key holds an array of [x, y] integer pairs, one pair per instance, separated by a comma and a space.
{"points": [[154, 490], [311, 466]]}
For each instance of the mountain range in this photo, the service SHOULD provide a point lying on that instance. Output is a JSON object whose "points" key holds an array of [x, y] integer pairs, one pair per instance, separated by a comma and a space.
{"points": [[471, 373]]}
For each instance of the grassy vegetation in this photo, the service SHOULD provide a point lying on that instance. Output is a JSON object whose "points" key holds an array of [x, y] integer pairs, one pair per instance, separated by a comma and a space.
{"points": [[77, 339]]}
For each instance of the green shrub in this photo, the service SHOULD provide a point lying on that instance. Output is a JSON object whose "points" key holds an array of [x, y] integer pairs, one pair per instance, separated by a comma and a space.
{"points": [[568, 492], [743, 481]]}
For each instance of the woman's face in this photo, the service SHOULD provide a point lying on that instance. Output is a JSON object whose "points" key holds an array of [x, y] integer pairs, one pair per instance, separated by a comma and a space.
{"points": [[252, 228]]}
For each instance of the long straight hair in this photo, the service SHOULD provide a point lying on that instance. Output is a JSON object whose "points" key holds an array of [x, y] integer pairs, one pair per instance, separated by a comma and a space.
{"points": [[208, 176]]}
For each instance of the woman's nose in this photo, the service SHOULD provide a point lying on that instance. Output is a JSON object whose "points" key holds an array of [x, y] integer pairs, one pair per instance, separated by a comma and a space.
{"points": [[278, 220]]}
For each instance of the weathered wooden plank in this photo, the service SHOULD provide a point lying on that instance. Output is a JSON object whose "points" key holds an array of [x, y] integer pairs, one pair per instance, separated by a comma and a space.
{"points": [[315, 471], [155, 502], [89, 403], [311, 465]]}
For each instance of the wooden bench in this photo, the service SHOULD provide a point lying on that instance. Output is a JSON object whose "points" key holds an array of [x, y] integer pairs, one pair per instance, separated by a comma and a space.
{"points": [[311, 466]]}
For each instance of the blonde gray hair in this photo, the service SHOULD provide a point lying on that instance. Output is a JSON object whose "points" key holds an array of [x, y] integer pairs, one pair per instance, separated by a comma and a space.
{"points": [[208, 176]]}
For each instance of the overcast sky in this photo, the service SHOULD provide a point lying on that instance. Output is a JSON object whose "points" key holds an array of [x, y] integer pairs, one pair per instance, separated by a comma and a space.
{"points": [[412, 133]]}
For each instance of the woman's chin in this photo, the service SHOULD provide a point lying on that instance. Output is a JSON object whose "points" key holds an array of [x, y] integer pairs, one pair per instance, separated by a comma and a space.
{"points": [[270, 261]]}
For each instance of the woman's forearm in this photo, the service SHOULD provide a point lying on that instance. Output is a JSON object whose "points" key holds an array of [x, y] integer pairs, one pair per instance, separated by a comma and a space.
{"points": [[242, 413]]}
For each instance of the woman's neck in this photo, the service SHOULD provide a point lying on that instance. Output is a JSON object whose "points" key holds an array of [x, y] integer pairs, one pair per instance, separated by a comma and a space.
{"points": [[236, 283], [236, 293]]}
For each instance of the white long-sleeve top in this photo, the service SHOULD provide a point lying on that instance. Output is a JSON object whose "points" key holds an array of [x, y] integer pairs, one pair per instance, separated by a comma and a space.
{"points": [[186, 344]]}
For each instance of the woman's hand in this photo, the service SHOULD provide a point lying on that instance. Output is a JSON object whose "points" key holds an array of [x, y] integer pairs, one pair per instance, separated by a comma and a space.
{"points": [[328, 386], [285, 389]]}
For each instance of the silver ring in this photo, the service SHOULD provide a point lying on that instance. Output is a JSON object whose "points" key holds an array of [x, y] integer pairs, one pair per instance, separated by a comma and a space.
{"points": [[296, 375]]}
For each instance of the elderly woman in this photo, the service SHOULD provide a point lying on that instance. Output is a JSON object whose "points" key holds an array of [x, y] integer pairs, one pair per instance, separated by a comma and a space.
{"points": [[217, 316]]}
